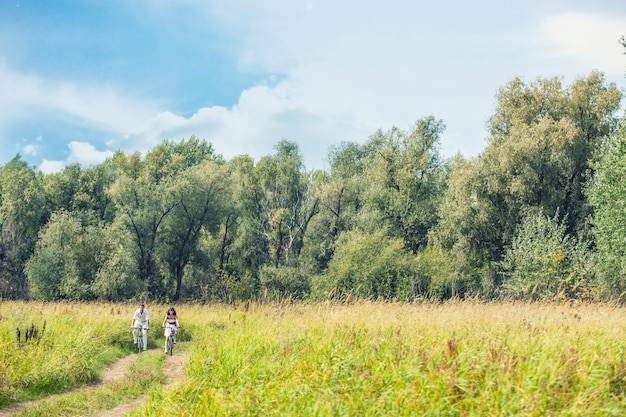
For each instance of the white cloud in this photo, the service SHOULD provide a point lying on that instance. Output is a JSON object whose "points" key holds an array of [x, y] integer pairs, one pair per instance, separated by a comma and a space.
{"points": [[86, 154], [82, 153], [345, 69], [25, 95], [31, 149], [49, 167], [294, 110], [355, 69], [590, 40]]}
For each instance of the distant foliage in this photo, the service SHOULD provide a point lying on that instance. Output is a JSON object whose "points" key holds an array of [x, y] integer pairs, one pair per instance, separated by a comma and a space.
{"points": [[60, 268], [438, 275], [117, 278], [368, 266], [607, 195], [544, 263], [389, 219], [22, 214], [542, 137], [284, 283]]}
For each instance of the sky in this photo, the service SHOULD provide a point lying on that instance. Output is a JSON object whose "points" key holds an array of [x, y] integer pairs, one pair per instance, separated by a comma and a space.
{"points": [[81, 79]]}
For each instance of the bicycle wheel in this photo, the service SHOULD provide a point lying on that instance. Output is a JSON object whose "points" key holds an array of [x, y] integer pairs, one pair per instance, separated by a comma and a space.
{"points": [[140, 341], [170, 345]]}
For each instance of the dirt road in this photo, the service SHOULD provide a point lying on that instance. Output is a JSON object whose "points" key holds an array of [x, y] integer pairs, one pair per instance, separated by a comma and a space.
{"points": [[173, 368]]}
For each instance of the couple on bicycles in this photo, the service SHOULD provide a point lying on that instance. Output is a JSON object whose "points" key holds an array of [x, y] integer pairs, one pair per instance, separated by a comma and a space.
{"points": [[141, 320]]}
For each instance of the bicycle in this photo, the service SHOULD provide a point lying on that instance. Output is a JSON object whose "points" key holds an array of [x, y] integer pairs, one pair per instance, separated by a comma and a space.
{"points": [[138, 330], [169, 346]]}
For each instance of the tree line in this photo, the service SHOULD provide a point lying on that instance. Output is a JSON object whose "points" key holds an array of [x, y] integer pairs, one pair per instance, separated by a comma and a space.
{"points": [[539, 214]]}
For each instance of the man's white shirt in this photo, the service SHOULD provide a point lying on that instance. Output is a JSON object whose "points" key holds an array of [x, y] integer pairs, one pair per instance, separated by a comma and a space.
{"points": [[141, 317]]}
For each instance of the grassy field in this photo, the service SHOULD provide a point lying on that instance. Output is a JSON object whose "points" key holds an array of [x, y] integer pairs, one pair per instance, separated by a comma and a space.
{"points": [[363, 359]]}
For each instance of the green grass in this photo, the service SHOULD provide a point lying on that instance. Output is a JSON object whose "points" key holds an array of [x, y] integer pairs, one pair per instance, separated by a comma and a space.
{"points": [[362, 359], [74, 342], [67, 352], [144, 373], [369, 359]]}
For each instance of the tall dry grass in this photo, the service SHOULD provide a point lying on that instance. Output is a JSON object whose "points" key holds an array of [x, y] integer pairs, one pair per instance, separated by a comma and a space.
{"points": [[379, 359], [48, 348], [361, 359]]}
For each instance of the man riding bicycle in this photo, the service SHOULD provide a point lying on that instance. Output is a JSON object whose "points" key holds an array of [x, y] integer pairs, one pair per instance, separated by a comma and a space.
{"points": [[141, 320]]}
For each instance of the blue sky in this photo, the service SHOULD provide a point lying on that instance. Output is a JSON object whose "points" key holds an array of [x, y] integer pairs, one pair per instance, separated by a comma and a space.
{"points": [[82, 79]]}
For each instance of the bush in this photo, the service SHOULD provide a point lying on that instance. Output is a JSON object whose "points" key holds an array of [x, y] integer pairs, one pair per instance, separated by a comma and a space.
{"points": [[368, 266], [544, 263], [284, 282]]}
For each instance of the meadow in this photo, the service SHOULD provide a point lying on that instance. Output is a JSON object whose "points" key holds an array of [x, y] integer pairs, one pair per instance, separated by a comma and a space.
{"points": [[328, 359]]}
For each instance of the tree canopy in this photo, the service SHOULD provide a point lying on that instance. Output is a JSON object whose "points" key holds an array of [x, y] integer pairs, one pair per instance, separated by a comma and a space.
{"points": [[538, 214]]}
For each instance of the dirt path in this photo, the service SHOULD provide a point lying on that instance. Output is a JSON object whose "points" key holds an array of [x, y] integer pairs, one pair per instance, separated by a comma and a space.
{"points": [[173, 368], [109, 374]]}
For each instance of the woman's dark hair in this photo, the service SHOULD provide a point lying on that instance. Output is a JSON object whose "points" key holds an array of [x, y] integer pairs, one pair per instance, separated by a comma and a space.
{"points": [[172, 310]]}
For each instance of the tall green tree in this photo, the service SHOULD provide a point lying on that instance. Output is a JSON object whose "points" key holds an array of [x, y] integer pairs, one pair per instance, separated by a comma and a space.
{"points": [[143, 200], [64, 263], [237, 252], [408, 180], [607, 195], [22, 213], [202, 192], [146, 192], [244, 248], [287, 204], [546, 136], [542, 138], [117, 276], [341, 196]]}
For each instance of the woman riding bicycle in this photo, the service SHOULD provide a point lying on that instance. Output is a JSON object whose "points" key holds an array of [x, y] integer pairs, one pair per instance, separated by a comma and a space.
{"points": [[171, 325]]}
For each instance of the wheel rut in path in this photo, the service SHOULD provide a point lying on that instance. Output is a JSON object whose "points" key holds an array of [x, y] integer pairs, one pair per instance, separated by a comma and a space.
{"points": [[111, 373], [173, 368]]}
